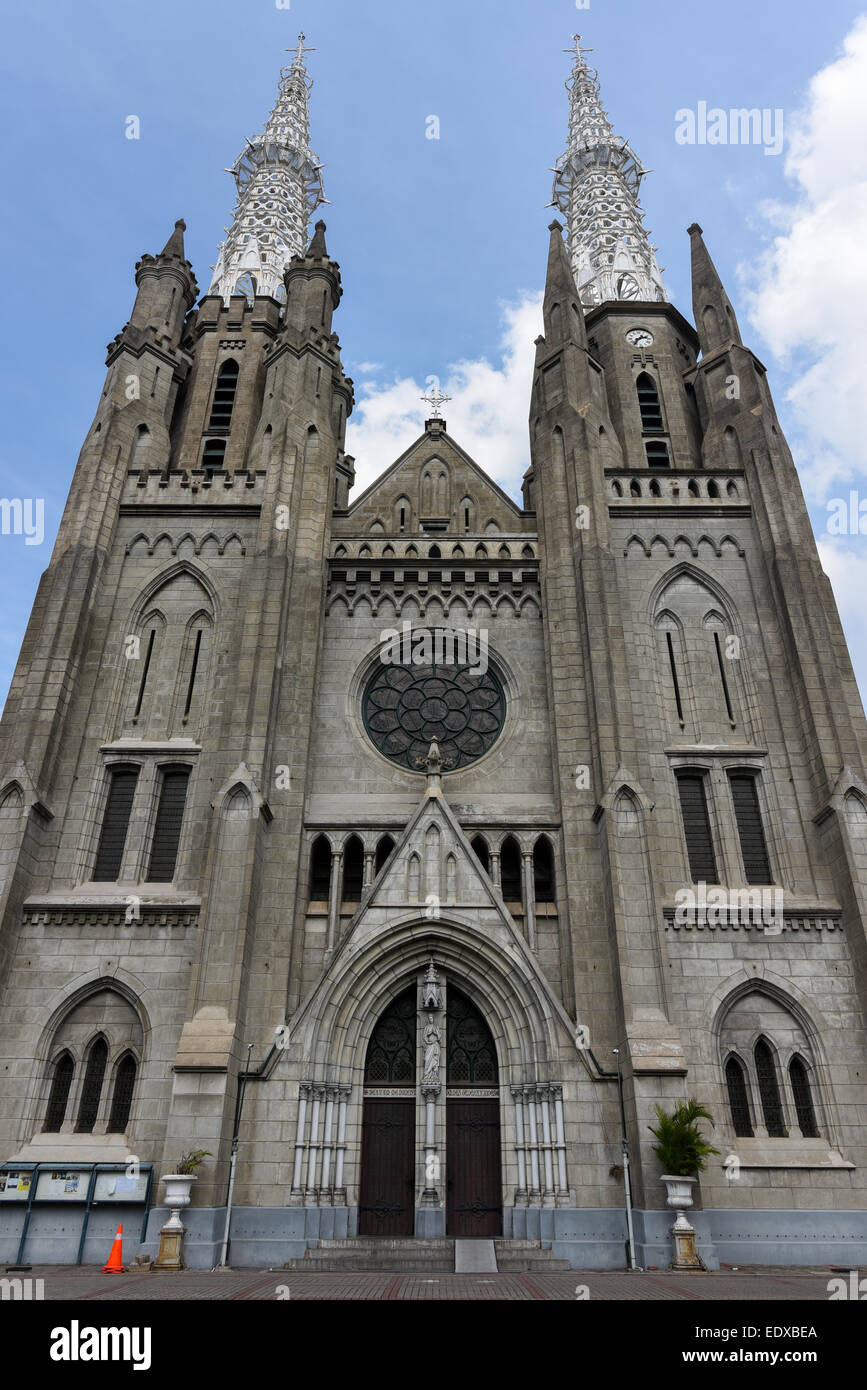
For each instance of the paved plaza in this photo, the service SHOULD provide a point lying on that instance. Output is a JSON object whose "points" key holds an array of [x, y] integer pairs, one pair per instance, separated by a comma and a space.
{"points": [[89, 1284]]}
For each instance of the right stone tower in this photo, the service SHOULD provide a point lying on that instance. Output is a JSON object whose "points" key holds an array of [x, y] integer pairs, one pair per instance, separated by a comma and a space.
{"points": [[709, 739]]}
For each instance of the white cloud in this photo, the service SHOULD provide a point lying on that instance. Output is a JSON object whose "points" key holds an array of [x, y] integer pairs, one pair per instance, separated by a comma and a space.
{"points": [[809, 290], [487, 413]]}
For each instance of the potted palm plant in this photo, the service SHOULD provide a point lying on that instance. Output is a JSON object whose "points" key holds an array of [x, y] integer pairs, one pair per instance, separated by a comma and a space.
{"points": [[683, 1152], [178, 1187]]}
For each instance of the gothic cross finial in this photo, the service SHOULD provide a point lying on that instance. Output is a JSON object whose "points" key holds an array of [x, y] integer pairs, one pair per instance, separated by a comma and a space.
{"points": [[300, 50], [433, 762], [435, 400], [577, 52]]}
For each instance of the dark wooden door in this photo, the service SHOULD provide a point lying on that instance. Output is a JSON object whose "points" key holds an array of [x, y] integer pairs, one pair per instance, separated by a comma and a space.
{"points": [[387, 1202], [474, 1198]]}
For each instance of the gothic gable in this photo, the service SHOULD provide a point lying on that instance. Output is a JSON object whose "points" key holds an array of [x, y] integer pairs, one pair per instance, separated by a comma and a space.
{"points": [[436, 488]]}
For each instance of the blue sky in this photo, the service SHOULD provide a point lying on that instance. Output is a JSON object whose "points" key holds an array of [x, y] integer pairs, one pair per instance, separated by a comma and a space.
{"points": [[442, 243]]}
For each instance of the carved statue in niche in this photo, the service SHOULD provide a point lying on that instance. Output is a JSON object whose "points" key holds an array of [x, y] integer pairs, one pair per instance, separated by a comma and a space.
{"points": [[432, 1052]]}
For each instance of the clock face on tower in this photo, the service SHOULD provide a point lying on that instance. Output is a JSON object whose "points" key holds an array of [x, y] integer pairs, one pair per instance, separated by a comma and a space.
{"points": [[640, 337]]}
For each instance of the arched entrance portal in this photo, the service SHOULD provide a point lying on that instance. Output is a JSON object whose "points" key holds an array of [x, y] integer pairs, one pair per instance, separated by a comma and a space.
{"points": [[400, 1155], [474, 1194], [387, 1199]]}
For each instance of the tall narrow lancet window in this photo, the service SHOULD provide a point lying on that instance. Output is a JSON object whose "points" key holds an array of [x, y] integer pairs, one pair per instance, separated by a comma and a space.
{"points": [[353, 869], [769, 1090], [91, 1089], [167, 829], [115, 824], [510, 871], [58, 1097], [320, 869], [804, 1111], [224, 396], [121, 1101], [543, 871], [736, 1084]]}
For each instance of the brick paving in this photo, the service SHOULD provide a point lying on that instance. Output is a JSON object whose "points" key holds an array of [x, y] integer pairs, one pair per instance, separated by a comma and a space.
{"points": [[89, 1284]]}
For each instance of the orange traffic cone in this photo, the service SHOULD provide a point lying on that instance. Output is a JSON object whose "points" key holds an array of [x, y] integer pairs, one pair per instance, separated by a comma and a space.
{"points": [[115, 1260]]}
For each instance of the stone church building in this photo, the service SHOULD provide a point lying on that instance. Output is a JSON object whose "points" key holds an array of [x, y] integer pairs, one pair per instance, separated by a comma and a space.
{"points": [[400, 812]]}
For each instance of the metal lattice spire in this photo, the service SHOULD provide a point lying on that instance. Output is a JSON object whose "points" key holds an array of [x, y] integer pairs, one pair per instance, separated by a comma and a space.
{"points": [[279, 182], [596, 185]]}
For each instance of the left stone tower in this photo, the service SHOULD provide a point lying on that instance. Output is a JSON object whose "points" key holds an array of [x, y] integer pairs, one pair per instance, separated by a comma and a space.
{"points": [[153, 749]]}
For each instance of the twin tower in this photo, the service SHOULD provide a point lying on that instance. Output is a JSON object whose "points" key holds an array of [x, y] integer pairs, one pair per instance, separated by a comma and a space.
{"points": [[417, 904]]}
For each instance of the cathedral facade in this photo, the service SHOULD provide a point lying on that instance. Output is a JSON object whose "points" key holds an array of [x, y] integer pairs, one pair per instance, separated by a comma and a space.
{"points": [[416, 844]]}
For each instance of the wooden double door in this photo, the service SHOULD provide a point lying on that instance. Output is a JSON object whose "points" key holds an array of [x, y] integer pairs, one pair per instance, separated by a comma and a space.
{"points": [[392, 1156], [474, 1200]]}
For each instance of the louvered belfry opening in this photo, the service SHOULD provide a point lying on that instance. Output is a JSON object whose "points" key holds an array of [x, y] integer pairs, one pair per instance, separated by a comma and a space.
{"points": [[697, 827], [648, 402], [115, 824], [224, 397], [167, 830], [748, 815], [61, 1082]]}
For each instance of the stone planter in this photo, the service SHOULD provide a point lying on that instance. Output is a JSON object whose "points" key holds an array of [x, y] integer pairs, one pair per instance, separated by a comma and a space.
{"points": [[178, 1187], [679, 1197]]}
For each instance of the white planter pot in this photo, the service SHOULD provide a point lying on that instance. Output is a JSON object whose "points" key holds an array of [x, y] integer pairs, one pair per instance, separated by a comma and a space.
{"points": [[178, 1187], [679, 1197]]}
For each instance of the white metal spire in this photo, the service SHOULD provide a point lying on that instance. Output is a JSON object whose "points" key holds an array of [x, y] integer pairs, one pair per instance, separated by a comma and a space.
{"points": [[596, 185], [279, 182]]}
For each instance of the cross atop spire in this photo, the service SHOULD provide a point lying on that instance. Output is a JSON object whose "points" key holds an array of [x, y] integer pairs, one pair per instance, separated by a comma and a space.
{"points": [[299, 51], [596, 186], [279, 184], [435, 400]]}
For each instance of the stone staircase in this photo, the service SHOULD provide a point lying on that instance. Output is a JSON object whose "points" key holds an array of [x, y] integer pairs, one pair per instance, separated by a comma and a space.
{"points": [[384, 1255]]}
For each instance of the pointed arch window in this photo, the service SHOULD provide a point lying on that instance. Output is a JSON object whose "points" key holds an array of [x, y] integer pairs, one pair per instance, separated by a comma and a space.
{"points": [[320, 869], [479, 846], [391, 1051], [115, 824], [804, 1109], [471, 1057], [383, 849], [224, 396], [91, 1089], [61, 1082], [769, 1090], [121, 1101], [739, 1105], [353, 869], [543, 871], [510, 871], [167, 829]]}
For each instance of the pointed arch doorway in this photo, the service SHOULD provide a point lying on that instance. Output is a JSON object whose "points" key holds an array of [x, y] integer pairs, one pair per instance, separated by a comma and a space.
{"points": [[474, 1192], [386, 1205]]}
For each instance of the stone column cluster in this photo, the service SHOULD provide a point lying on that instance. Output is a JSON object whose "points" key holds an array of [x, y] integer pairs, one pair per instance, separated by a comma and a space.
{"points": [[320, 1144], [540, 1145]]}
